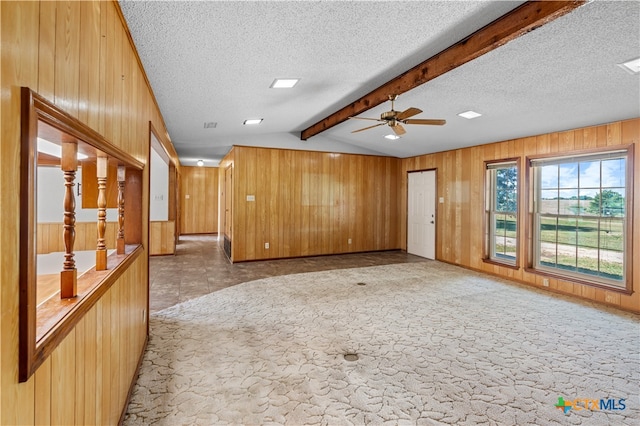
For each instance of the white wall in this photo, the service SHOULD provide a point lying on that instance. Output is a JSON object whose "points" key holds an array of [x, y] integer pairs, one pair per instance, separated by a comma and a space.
{"points": [[159, 190], [50, 193]]}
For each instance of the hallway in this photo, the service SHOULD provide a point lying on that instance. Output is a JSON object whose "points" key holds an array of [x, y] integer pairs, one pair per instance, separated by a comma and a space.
{"points": [[200, 267]]}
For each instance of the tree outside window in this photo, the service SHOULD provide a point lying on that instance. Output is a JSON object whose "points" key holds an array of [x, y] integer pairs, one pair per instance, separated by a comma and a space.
{"points": [[502, 212]]}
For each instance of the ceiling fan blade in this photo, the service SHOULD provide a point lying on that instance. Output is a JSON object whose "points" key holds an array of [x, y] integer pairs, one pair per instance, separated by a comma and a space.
{"points": [[365, 118], [408, 113], [370, 127], [398, 130], [432, 122]]}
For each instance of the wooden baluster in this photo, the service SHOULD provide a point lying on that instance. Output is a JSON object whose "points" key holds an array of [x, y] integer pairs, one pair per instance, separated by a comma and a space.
{"points": [[101, 249], [69, 273], [120, 240]]}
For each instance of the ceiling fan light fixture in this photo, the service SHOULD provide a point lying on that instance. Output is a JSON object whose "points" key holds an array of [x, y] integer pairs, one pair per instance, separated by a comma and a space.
{"points": [[469, 115], [392, 137], [252, 121], [284, 83], [631, 66], [200, 163]]}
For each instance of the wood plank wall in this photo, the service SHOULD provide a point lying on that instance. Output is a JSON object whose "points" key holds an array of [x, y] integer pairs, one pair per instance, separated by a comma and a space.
{"points": [[96, 362], [199, 200], [49, 236], [460, 175], [225, 198], [162, 237], [311, 203], [79, 56]]}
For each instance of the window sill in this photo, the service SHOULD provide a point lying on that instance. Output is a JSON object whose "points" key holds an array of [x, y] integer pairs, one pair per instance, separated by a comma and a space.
{"points": [[503, 264], [56, 317], [574, 280]]}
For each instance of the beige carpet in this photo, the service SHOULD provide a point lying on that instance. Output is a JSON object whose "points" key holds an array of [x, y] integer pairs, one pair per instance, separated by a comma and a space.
{"points": [[436, 345]]}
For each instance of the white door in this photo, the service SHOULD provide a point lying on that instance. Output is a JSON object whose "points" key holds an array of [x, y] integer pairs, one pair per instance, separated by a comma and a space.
{"points": [[421, 214]]}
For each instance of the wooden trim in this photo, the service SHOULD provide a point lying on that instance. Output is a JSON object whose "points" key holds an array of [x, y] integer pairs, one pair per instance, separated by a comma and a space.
{"points": [[42, 328], [28, 256], [51, 114], [572, 279], [527, 17], [134, 379], [313, 255], [173, 189], [580, 152], [503, 265], [437, 241], [149, 153], [629, 217], [165, 151], [306, 150], [76, 311], [486, 255]]}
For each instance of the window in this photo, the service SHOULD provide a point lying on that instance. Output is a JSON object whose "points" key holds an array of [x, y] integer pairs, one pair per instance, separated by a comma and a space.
{"points": [[580, 211], [502, 212], [70, 255]]}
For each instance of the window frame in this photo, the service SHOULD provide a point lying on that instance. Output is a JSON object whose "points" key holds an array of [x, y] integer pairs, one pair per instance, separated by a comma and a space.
{"points": [[532, 236], [40, 334], [489, 197]]}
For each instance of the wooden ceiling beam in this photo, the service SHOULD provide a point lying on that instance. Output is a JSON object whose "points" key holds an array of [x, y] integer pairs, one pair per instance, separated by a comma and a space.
{"points": [[527, 17]]}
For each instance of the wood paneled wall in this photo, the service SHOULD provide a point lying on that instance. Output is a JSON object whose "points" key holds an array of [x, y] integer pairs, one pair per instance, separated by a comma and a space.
{"points": [[199, 200], [307, 203], [49, 236], [79, 56], [96, 362], [162, 237], [460, 176]]}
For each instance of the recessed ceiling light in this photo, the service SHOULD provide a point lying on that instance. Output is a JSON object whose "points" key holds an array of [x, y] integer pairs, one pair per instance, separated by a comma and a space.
{"points": [[284, 83], [632, 66], [392, 137], [53, 149], [469, 114], [200, 163], [252, 121], [210, 125]]}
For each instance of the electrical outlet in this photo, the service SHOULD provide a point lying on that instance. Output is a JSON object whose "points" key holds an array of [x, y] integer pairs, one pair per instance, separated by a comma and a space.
{"points": [[266, 246], [545, 282], [349, 241]]}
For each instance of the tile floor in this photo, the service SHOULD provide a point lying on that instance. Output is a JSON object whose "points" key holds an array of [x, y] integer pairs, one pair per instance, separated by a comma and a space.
{"points": [[200, 267]]}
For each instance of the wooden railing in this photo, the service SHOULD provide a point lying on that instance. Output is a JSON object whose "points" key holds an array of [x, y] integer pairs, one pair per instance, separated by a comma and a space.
{"points": [[69, 165], [69, 273]]}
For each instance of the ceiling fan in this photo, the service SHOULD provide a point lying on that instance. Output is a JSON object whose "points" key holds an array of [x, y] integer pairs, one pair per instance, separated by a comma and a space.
{"points": [[395, 119]]}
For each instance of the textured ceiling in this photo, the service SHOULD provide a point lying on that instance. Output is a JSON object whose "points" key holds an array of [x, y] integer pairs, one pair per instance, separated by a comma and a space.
{"points": [[214, 62]]}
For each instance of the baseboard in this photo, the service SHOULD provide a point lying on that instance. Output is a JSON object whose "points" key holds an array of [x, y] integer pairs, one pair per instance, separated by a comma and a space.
{"points": [[544, 289], [134, 379]]}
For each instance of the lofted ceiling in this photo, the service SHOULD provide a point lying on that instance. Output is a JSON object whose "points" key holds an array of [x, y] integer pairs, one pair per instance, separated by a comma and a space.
{"points": [[215, 61]]}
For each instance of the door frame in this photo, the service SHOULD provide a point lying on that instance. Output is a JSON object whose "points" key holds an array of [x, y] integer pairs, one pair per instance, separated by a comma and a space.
{"points": [[406, 208], [226, 218]]}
